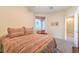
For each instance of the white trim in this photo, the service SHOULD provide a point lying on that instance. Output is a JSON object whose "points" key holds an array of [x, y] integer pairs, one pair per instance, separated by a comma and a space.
{"points": [[65, 30], [76, 31]]}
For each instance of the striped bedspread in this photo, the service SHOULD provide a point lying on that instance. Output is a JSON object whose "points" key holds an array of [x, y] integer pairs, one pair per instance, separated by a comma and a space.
{"points": [[33, 43]]}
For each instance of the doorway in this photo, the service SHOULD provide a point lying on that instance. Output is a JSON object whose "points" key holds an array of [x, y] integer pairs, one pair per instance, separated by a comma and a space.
{"points": [[70, 28], [69, 32]]}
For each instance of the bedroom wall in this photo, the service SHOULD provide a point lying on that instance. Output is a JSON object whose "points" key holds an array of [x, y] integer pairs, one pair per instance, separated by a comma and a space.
{"points": [[59, 30], [60, 17], [14, 17]]}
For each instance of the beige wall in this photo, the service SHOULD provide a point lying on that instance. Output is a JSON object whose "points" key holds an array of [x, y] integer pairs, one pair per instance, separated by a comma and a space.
{"points": [[14, 17], [59, 30], [60, 17], [55, 31]]}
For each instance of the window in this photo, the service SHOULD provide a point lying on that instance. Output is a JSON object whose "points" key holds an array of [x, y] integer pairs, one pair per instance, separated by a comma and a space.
{"points": [[39, 23]]}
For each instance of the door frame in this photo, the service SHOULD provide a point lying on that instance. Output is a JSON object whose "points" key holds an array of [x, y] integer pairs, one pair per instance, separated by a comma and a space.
{"points": [[66, 27]]}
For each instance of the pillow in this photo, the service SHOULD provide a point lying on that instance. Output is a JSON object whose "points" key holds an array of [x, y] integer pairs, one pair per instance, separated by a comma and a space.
{"points": [[14, 32], [28, 31]]}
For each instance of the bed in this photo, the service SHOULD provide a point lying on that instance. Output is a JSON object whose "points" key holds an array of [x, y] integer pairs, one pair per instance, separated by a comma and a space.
{"points": [[32, 43]]}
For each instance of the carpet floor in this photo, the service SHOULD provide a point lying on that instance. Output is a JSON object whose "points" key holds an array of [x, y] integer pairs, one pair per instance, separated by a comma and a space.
{"points": [[64, 46]]}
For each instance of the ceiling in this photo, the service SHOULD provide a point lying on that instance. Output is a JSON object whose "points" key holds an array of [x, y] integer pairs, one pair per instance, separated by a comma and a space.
{"points": [[47, 9]]}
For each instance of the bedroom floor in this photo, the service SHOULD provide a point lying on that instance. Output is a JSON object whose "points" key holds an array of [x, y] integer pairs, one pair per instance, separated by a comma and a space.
{"points": [[64, 46]]}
